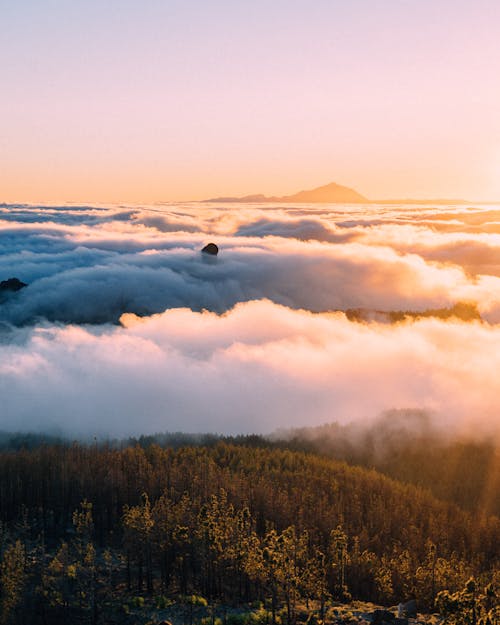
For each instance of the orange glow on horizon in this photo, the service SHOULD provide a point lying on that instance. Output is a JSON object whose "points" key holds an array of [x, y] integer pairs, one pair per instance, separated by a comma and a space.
{"points": [[187, 101]]}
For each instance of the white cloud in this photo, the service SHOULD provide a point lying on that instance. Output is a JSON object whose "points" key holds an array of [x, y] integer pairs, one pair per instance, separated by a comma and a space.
{"points": [[263, 364], [258, 367]]}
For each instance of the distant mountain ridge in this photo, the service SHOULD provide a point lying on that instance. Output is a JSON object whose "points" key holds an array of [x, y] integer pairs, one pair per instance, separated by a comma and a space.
{"points": [[332, 193], [329, 193]]}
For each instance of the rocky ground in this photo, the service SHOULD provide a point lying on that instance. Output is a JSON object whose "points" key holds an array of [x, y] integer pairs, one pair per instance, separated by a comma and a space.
{"points": [[140, 612]]}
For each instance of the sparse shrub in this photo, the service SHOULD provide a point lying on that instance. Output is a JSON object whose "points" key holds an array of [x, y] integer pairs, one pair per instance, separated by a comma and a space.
{"points": [[310, 619], [207, 620], [259, 617], [472, 605], [162, 602], [238, 619], [138, 602], [194, 600]]}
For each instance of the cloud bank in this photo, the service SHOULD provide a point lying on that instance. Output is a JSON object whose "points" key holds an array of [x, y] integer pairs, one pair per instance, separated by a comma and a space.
{"points": [[258, 367], [126, 328]]}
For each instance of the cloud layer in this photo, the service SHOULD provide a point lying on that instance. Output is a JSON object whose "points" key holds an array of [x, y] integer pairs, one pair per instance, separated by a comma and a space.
{"points": [[126, 327]]}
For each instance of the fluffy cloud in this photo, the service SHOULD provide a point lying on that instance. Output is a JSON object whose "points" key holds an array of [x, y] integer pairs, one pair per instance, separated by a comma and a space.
{"points": [[271, 352], [81, 272], [258, 367]]}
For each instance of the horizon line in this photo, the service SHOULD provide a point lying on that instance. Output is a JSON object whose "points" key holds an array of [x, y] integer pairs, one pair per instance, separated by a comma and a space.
{"points": [[240, 200]]}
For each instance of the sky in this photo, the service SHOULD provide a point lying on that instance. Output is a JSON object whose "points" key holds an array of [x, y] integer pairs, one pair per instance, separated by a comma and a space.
{"points": [[127, 101]]}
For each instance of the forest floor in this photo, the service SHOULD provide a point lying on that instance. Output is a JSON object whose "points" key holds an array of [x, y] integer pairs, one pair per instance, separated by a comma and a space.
{"points": [[140, 612]]}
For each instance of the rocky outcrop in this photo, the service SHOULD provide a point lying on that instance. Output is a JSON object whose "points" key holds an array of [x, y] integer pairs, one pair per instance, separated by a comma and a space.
{"points": [[12, 284], [210, 249], [408, 609], [380, 617]]}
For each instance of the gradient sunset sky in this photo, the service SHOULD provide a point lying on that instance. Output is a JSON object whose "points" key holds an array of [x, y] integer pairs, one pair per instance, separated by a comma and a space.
{"points": [[149, 101]]}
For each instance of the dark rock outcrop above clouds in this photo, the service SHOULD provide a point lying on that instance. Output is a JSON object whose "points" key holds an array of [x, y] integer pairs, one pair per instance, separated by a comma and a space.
{"points": [[211, 249], [12, 284]]}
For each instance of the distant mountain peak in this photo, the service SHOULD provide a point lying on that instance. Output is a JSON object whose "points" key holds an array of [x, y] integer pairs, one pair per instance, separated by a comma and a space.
{"points": [[329, 193]]}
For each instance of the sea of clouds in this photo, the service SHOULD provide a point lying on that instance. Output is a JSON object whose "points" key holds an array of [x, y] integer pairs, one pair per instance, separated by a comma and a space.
{"points": [[126, 327]]}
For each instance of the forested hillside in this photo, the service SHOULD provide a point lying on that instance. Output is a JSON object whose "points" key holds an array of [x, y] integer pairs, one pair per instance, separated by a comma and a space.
{"points": [[410, 447], [83, 527]]}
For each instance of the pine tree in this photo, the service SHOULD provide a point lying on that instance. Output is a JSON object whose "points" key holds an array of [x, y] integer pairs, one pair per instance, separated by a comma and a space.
{"points": [[471, 605], [12, 580]]}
